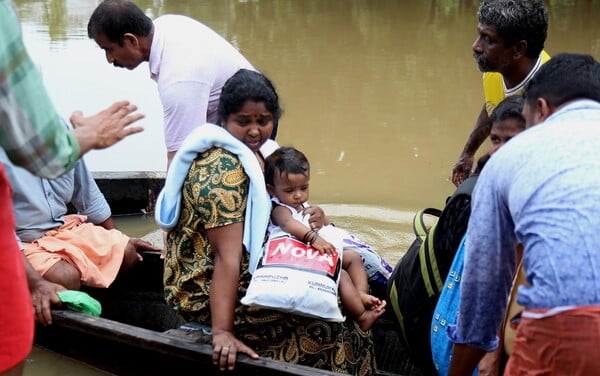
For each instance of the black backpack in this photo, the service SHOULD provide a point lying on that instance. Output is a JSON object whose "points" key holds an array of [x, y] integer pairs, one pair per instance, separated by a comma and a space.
{"points": [[416, 282]]}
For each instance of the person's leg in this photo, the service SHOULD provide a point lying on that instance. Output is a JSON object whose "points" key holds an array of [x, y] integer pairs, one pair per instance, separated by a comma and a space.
{"points": [[95, 253], [353, 303], [350, 296], [69, 276], [352, 263], [64, 274]]}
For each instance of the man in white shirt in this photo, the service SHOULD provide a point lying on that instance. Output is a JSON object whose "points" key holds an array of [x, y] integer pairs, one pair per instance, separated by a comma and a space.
{"points": [[189, 61]]}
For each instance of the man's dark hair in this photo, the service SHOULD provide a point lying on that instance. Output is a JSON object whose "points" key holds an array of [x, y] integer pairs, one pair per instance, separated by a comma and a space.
{"points": [[517, 20], [114, 18], [285, 160], [564, 78], [510, 108]]}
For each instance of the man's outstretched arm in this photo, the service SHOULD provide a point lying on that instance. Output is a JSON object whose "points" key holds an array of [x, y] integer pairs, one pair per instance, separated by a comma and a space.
{"points": [[481, 130]]}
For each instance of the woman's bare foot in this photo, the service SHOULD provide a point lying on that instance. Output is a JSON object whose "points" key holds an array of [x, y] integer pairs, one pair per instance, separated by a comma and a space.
{"points": [[366, 319]]}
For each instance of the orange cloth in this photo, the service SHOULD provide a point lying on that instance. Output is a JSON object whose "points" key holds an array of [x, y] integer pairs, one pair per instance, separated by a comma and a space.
{"points": [[16, 312], [567, 343], [96, 252]]}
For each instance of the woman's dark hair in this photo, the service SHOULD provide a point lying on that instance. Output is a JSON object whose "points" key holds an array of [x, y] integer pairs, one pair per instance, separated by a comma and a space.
{"points": [[285, 160], [114, 18], [247, 85]]}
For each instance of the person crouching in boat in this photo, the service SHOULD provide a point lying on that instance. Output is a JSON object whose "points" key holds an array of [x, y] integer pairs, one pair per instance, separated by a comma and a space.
{"points": [[61, 251]]}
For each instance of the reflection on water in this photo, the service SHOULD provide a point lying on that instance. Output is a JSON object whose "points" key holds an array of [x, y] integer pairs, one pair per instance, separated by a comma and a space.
{"points": [[45, 363], [136, 225], [379, 94]]}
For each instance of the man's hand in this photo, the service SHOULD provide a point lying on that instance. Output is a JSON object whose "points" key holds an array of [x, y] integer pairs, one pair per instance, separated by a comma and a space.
{"points": [[43, 296], [106, 128], [462, 169], [139, 243], [43, 293]]}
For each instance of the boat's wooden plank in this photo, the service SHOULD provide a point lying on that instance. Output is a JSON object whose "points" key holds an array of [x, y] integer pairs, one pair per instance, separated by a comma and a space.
{"points": [[177, 343]]}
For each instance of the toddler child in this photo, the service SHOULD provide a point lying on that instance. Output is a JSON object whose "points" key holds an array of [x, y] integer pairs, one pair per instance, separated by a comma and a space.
{"points": [[287, 175]]}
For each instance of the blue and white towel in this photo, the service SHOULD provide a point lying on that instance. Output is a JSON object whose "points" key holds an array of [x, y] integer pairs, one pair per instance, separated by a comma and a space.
{"points": [[258, 207]]}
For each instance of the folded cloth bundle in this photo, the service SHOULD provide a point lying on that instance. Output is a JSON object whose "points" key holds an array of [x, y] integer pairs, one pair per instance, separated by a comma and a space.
{"points": [[80, 301]]}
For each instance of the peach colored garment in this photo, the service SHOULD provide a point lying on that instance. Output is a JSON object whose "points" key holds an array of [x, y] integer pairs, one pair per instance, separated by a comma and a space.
{"points": [[96, 252]]}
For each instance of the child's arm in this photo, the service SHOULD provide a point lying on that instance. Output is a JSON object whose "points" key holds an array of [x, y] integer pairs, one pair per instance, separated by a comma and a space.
{"points": [[282, 217]]}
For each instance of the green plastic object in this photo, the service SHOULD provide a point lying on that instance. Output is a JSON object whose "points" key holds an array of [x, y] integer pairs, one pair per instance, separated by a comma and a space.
{"points": [[80, 301]]}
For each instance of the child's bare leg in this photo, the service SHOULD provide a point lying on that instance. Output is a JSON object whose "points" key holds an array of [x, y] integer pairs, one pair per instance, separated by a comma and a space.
{"points": [[352, 301], [352, 263]]}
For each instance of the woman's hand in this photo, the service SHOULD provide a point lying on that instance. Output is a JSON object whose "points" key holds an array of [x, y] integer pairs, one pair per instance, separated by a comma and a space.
{"points": [[317, 218], [225, 350]]}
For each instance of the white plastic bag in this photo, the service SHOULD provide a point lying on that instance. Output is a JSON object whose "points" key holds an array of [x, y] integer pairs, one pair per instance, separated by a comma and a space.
{"points": [[294, 277]]}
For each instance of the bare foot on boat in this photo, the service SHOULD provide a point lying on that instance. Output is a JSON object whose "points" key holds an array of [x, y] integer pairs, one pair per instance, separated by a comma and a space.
{"points": [[369, 316], [379, 307], [369, 301]]}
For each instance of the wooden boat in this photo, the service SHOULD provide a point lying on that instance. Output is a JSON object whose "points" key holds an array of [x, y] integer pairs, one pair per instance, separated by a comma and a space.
{"points": [[139, 334]]}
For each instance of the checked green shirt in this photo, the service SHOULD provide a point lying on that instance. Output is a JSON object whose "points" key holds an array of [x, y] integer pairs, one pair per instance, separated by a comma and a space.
{"points": [[31, 131]]}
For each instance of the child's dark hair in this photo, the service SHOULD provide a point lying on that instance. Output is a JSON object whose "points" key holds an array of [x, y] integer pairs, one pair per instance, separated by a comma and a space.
{"points": [[510, 108], [285, 160], [247, 85]]}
